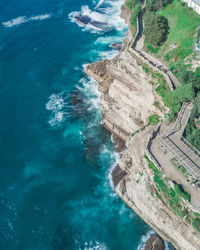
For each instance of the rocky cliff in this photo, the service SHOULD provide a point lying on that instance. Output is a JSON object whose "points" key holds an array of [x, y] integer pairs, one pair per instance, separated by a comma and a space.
{"points": [[128, 97], [128, 100]]}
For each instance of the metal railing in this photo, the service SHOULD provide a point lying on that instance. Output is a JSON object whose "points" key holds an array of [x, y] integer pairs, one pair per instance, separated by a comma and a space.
{"points": [[190, 146], [182, 162]]}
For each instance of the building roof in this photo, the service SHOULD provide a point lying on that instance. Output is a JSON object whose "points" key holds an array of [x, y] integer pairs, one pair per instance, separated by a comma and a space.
{"points": [[197, 2]]}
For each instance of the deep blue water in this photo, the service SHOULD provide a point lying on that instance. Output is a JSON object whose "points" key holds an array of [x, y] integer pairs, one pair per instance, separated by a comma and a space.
{"points": [[55, 157]]}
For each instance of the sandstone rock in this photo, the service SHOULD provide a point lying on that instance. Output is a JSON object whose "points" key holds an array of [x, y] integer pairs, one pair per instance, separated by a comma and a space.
{"points": [[154, 243], [98, 72]]}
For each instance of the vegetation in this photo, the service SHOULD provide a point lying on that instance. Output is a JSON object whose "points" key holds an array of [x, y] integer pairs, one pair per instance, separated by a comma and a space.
{"points": [[136, 132], [196, 224], [134, 7], [133, 18], [175, 43], [171, 29], [130, 4], [183, 27], [172, 196], [155, 5], [155, 29], [154, 119], [192, 133], [183, 31]]}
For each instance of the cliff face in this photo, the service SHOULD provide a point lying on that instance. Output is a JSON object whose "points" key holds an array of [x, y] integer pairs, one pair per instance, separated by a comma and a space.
{"points": [[128, 97], [137, 189], [128, 100]]}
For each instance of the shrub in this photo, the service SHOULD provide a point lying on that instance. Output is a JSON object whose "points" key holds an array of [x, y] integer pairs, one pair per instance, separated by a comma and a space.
{"points": [[181, 193], [155, 29], [196, 224], [155, 5], [134, 15], [130, 4], [154, 119]]}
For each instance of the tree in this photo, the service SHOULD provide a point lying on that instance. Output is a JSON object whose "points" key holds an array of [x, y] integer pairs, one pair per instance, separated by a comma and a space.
{"points": [[155, 29], [155, 5]]}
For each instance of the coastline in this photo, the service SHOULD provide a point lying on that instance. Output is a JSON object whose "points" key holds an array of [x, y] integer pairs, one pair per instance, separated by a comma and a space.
{"points": [[133, 180]]}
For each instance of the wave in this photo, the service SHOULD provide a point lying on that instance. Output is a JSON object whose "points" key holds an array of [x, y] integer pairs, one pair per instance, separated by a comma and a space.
{"points": [[89, 87], [144, 239], [23, 19], [107, 40], [99, 4], [84, 99], [104, 17], [58, 104]]}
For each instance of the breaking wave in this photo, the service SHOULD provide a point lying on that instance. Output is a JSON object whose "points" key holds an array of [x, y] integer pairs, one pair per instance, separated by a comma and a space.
{"points": [[144, 239], [23, 19], [104, 17], [59, 107]]}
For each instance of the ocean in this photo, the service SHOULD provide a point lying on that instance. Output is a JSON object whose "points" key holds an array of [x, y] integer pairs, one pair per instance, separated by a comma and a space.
{"points": [[55, 156]]}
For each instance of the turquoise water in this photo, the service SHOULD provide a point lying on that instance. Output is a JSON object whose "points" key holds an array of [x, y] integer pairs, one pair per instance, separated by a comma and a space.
{"points": [[55, 156]]}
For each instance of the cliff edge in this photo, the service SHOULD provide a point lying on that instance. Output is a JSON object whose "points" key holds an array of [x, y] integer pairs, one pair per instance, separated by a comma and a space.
{"points": [[128, 100]]}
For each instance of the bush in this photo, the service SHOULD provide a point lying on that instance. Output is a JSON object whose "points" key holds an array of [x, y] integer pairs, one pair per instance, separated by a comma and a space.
{"points": [[192, 133], [155, 5], [134, 15], [196, 224], [130, 4], [155, 29], [154, 119], [160, 183], [181, 193]]}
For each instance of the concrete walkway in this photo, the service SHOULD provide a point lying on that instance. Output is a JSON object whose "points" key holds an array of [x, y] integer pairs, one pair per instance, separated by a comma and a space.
{"points": [[164, 157], [177, 147]]}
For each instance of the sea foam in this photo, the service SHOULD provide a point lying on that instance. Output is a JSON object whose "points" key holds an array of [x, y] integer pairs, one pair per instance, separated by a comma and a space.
{"points": [[104, 17], [23, 19]]}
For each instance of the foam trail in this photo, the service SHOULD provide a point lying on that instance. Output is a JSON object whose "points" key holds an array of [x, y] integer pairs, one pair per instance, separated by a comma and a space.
{"points": [[23, 19]]}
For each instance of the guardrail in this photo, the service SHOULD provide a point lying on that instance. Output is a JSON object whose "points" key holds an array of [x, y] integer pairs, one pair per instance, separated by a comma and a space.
{"points": [[190, 146], [179, 158]]}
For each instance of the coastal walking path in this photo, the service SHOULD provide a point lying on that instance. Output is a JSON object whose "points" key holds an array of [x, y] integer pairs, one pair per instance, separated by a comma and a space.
{"points": [[172, 141], [187, 157]]}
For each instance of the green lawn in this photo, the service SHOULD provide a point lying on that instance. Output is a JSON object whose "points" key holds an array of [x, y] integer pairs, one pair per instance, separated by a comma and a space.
{"points": [[183, 27]]}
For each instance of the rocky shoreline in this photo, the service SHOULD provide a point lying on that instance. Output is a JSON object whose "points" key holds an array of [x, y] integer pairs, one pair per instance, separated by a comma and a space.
{"points": [[128, 101], [154, 243]]}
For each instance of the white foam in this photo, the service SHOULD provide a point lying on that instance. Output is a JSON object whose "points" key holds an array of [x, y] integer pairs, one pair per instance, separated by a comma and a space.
{"points": [[94, 245], [39, 17], [89, 87], [15, 21], [108, 54], [144, 239], [55, 102], [59, 108], [109, 39], [99, 4], [23, 19], [109, 15]]}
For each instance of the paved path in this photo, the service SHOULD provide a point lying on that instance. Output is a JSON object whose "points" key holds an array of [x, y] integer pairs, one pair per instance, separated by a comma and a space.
{"points": [[164, 157], [177, 147]]}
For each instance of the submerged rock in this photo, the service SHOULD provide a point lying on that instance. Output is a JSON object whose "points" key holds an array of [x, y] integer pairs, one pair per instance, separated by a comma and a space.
{"points": [[117, 175], [85, 20], [117, 46], [154, 243], [119, 144]]}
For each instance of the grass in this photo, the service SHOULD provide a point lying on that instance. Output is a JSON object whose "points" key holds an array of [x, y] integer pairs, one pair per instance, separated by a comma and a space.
{"points": [[183, 28], [172, 196], [154, 119], [136, 132]]}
